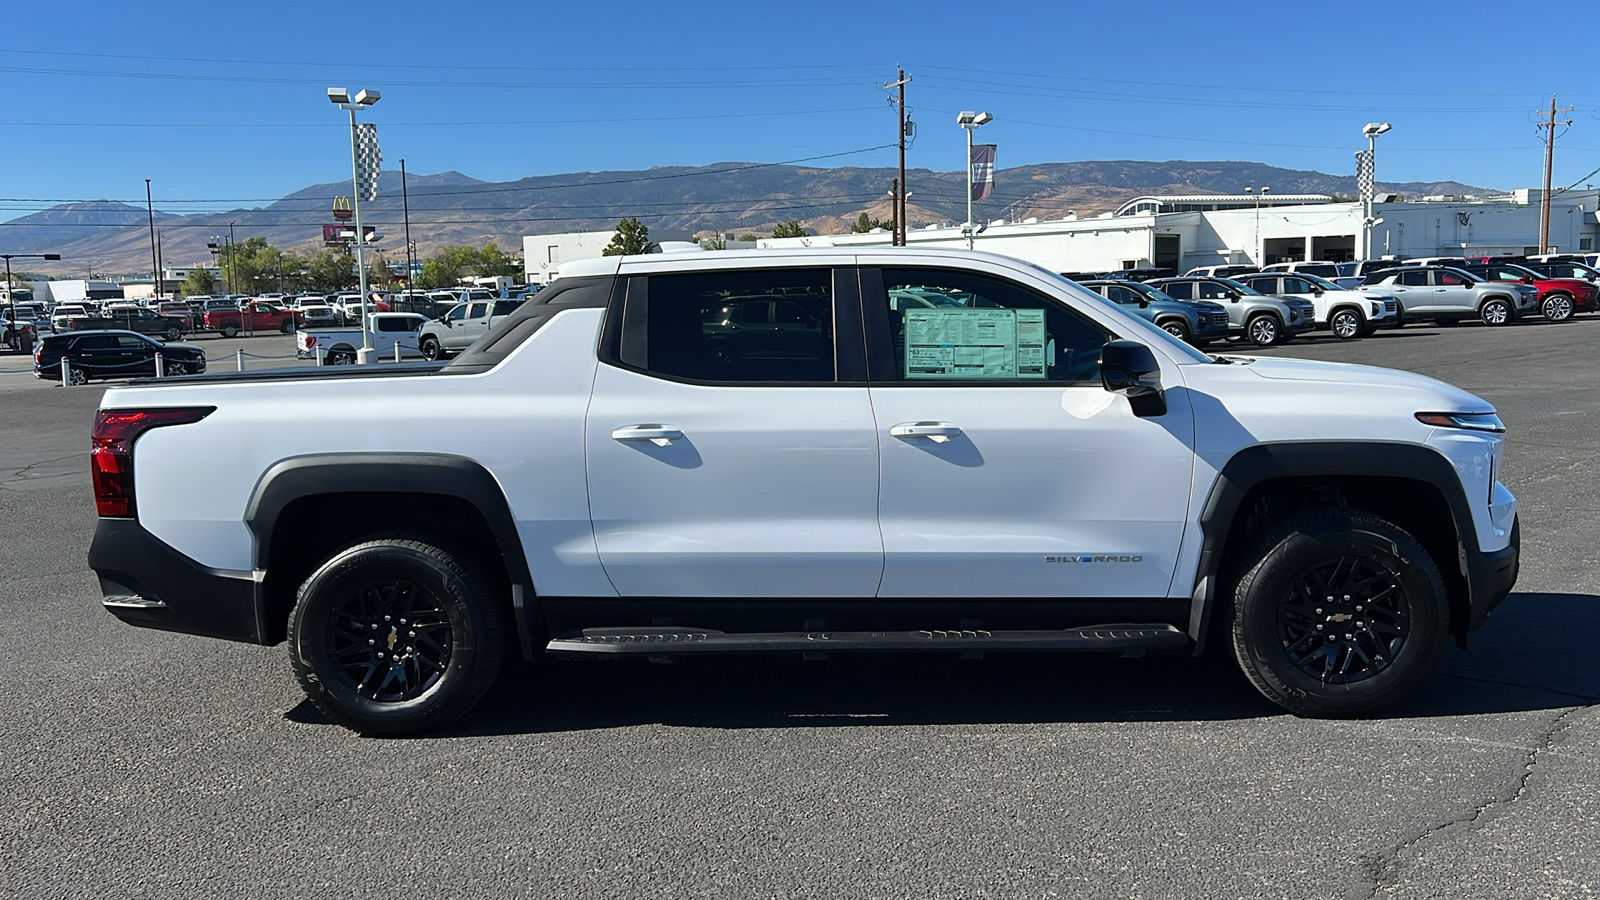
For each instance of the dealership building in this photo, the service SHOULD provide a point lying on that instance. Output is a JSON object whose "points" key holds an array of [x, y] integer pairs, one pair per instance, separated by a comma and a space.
{"points": [[1181, 232]]}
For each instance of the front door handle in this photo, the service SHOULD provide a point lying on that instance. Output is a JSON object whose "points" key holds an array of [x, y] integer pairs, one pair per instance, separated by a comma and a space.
{"points": [[660, 435], [938, 432]]}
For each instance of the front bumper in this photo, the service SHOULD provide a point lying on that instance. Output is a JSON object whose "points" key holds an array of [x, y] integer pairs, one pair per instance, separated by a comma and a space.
{"points": [[145, 582], [1491, 576]]}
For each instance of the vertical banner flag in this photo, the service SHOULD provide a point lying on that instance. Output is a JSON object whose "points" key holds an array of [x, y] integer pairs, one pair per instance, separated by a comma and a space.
{"points": [[369, 160], [982, 163], [1364, 185]]}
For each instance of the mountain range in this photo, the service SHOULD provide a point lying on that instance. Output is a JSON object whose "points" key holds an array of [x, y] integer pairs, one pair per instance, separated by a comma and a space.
{"points": [[734, 198]]}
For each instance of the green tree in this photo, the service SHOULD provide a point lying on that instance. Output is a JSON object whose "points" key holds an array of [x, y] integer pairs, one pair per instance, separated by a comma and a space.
{"points": [[199, 283], [632, 238], [866, 223], [747, 237], [330, 269], [791, 228], [492, 261]]}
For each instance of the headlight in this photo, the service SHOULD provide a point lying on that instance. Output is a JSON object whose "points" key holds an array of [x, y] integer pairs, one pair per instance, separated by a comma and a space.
{"points": [[1478, 421]]}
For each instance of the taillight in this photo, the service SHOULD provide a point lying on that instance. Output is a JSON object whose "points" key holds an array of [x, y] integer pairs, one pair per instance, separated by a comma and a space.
{"points": [[111, 461]]}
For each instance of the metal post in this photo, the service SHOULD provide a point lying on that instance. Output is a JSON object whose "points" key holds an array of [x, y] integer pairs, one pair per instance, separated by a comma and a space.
{"points": [[397, 351], [161, 369], [1366, 214], [366, 355], [970, 225], [66, 368], [405, 208], [11, 298], [317, 349], [154, 261], [239, 355]]}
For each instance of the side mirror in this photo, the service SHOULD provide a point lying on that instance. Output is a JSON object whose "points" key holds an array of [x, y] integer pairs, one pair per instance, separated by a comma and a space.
{"points": [[1234, 296], [1129, 368], [1316, 292], [1144, 303]]}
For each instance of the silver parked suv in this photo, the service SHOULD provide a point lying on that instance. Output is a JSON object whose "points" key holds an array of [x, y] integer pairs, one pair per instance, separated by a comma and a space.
{"points": [[1444, 294], [1260, 319]]}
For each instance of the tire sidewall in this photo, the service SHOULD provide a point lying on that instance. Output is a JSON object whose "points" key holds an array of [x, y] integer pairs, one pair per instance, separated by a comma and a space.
{"points": [[319, 600], [1345, 315], [1261, 652], [1544, 307]]}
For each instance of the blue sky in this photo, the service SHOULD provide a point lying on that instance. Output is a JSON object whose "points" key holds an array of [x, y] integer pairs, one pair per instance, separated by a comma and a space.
{"points": [[225, 103]]}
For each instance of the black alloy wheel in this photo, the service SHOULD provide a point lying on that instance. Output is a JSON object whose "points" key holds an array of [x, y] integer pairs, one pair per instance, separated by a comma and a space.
{"points": [[172, 333], [395, 635], [341, 357], [1557, 307], [1339, 612], [431, 350]]}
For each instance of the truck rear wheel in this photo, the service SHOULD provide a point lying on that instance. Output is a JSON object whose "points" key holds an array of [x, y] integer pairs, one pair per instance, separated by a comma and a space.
{"points": [[396, 635], [172, 333], [1339, 612], [286, 326], [229, 331]]}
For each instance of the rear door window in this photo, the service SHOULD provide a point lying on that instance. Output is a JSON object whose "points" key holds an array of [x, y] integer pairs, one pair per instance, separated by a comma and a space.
{"points": [[745, 326]]}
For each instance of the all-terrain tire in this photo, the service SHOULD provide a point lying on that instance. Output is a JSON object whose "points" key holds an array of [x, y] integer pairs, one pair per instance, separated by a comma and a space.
{"points": [[1337, 612], [396, 635]]}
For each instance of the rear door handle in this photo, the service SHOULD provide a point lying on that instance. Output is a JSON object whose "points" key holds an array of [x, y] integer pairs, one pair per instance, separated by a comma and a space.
{"points": [[938, 432], [660, 435]]}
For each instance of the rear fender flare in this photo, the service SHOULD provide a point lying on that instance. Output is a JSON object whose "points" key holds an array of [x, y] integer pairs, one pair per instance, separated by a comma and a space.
{"points": [[422, 473]]}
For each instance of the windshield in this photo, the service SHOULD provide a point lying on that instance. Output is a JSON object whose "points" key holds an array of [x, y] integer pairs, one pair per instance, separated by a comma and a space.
{"points": [[1152, 293], [1146, 330], [1241, 287], [1320, 282]]}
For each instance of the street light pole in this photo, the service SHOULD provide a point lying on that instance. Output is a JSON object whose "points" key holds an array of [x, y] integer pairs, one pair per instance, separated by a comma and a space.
{"points": [[405, 208], [155, 262], [1371, 130], [970, 122], [342, 98]]}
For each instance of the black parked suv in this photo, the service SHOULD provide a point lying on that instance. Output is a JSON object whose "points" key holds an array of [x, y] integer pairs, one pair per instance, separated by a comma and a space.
{"points": [[112, 354]]}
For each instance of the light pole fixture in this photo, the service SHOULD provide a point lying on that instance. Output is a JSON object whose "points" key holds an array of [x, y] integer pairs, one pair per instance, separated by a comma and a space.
{"points": [[970, 122], [1371, 130], [342, 98], [11, 290]]}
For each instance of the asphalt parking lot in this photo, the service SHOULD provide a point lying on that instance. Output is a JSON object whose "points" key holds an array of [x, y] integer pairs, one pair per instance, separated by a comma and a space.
{"points": [[142, 764]]}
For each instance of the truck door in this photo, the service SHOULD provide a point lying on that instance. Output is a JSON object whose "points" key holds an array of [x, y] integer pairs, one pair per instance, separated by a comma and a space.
{"points": [[1008, 471], [719, 468]]}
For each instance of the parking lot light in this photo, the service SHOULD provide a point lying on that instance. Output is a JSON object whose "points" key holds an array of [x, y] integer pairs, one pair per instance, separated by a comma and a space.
{"points": [[11, 290], [970, 122], [364, 99]]}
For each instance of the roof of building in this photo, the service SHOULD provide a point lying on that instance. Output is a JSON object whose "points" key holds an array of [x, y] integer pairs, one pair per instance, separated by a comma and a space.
{"points": [[1168, 203]]}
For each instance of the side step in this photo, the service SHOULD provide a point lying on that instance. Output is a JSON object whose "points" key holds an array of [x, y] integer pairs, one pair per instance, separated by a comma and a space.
{"points": [[663, 641]]}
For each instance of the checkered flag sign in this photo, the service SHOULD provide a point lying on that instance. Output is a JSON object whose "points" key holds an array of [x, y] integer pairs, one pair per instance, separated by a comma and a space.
{"points": [[1364, 185], [982, 163], [369, 160]]}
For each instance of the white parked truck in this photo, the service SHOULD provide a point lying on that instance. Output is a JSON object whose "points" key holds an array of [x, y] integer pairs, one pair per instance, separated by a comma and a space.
{"points": [[338, 346], [759, 451]]}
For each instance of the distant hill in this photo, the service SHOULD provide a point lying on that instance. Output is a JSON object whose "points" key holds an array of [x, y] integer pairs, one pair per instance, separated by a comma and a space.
{"points": [[450, 207]]}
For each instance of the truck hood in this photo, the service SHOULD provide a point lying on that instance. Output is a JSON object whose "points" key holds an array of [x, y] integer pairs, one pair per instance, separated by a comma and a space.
{"points": [[1450, 397]]}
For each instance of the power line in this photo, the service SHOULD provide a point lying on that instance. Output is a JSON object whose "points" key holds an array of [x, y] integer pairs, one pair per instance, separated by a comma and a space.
{"points": [[325, 125]]}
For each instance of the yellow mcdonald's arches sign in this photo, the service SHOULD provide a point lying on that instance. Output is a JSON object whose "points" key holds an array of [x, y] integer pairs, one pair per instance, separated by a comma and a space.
{"points": [[341, 208]]}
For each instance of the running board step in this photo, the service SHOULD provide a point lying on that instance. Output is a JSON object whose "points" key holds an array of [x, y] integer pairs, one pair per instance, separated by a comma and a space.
{"points": [[661, 641]]}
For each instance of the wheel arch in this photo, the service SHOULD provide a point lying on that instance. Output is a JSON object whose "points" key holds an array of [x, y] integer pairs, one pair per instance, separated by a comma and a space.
{"points": [[1352, 307], [1412, 486], [1509, 300], [304, 508]]}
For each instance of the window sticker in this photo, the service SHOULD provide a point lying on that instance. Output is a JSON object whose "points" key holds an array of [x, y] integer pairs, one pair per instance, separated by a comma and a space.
{"points": [[975, 343]]}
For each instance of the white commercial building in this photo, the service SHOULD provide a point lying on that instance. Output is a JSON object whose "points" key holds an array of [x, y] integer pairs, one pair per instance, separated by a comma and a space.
{"points": [[542, 253], [1171, 232]]}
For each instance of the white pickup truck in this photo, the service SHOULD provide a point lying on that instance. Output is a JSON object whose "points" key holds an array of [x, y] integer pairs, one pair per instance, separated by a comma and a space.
{"points": [[467, 321], [338, 346], [758, 451]]}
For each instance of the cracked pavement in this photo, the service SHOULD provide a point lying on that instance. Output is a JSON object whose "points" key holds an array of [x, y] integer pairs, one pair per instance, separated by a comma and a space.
{"points": [[142, 764]]}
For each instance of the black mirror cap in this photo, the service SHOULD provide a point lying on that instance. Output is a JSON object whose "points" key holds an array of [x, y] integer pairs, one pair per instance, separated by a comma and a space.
{"points": [[1129, 368]]}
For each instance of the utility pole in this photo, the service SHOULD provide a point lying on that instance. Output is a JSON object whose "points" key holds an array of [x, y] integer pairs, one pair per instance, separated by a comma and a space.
{"points": [[899, 239], [154, 262], [1549, 127], [405, 205]]}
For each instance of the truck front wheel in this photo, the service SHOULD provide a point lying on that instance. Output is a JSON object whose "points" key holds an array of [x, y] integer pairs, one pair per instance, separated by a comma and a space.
{"points": [[1339, 612], [430, 348], [396, 635]]}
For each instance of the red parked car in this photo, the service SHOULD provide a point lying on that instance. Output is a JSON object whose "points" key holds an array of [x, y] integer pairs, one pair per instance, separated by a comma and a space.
{"points": [[254, 315], [1559, 298]]}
